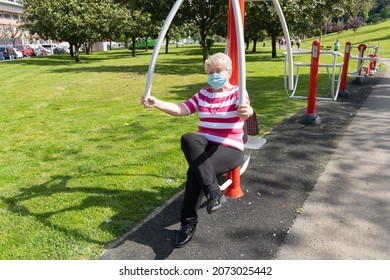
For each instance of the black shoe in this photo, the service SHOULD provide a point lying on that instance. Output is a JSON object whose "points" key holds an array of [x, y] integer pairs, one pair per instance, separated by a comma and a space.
{"points": [[185, 235], [214, 201]]}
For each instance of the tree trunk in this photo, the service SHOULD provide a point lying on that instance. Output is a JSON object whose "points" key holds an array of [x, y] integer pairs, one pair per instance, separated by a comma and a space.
{"points": [[247, 41], [76, 53], [87, 48], [71, 49], [166, 43], [254, 45], [133, 45], [203, 38], [273, 42]]}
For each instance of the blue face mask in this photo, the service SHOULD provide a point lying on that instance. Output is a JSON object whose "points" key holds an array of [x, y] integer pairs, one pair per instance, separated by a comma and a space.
{"points": [[217, 80]]}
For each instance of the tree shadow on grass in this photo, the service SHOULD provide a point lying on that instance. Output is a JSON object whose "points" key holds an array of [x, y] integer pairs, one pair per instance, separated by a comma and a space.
{"points": [[179, 66], [67, 60], [125, 203], [186, 54]]}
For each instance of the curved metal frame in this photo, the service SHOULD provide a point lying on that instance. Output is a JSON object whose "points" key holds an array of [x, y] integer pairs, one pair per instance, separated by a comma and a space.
{"points": [[362, 61], [156, 50], [286, 33], [241, 47], [332, 76]]}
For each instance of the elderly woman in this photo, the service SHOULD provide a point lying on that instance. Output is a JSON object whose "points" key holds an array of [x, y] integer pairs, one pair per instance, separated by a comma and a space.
{"points": [[216, 148]]}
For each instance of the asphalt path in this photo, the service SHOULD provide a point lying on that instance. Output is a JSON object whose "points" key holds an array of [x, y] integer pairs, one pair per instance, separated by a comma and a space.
{"points": [[347, 214], [286, 182]]}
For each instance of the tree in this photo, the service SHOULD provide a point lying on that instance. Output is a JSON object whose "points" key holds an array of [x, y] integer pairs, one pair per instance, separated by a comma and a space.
{"points": [[354, 8], [144, 19], [380, 11], [254, 24], [354, 23], [137, 27], [40, 17], [321, 11], [11, 32], [267, 19], [109, 21], [205, 14], [338, 27], [75, 21], [262, 15]]}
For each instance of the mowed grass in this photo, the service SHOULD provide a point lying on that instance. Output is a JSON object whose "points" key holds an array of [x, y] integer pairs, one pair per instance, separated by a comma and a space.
{"points": [[82, 161], [371, 35]]}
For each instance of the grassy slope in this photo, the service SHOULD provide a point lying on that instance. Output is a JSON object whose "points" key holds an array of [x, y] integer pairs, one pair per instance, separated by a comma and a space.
{"points": [[372, 35]]}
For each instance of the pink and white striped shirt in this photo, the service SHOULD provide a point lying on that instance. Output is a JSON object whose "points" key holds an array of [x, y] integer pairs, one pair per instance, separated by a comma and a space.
{"points": [[218, 119]]}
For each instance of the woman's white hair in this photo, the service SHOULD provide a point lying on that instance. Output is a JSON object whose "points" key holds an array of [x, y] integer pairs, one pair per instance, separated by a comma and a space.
{"points": [[219, 59]]}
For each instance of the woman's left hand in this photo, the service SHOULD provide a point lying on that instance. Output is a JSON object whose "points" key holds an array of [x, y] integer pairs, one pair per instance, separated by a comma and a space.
{"points": [[244, 111]]}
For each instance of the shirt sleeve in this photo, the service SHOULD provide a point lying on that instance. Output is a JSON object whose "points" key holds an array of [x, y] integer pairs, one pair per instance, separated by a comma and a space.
{"points": [[192, 104]]}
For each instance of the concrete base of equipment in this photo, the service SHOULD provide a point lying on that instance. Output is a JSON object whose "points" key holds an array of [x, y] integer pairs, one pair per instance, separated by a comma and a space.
{"points": [[310, 119]]}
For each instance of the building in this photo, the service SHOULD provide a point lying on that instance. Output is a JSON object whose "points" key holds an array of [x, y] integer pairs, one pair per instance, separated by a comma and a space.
{"points": [[11, 16], [11, 12]]}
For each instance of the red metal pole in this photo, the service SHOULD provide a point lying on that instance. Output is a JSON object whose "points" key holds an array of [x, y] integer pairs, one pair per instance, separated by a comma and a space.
{"points": [[315, 59], [361, 48], [232, 37], [371, 66], [311, 117], [344, 74], [234, 190]]}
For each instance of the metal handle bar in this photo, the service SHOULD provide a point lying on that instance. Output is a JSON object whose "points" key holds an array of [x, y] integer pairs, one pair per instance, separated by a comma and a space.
{"points": [[241, 51], [157, 47]]}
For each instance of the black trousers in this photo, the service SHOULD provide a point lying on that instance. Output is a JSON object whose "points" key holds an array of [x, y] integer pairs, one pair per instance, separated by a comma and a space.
{"points": [[206, 162]]}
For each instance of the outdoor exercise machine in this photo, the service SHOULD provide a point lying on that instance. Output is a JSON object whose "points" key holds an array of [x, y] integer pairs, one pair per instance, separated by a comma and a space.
{"points": [[338, 86], [371, 69], [236, 51], [334, 71], [373, 66], [311, 117], [370, 63]]}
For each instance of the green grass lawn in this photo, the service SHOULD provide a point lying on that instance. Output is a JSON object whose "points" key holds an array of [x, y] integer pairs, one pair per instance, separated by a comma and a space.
{"points": [[371, 35], [82, 161]]}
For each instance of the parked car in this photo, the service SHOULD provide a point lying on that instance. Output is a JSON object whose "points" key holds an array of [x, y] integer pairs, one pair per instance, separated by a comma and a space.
{"points": [[17, 54], [1, 56], [66, 48], [26, 50], [49, 48], [4, 51], [59, 50], [141, 43], [38, 50]]}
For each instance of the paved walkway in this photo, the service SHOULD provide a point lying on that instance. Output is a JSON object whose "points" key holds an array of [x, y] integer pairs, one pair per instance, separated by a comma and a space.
{"points": [[347, 216], [336, 172]]}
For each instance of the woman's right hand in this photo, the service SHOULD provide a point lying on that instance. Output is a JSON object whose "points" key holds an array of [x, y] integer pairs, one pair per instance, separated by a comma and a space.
{"points": [[148, 102]]}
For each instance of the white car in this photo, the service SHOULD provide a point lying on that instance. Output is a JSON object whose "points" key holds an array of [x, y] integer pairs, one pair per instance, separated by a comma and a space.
{"points": [[18, 54], [38, 50], [49, 48]]}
